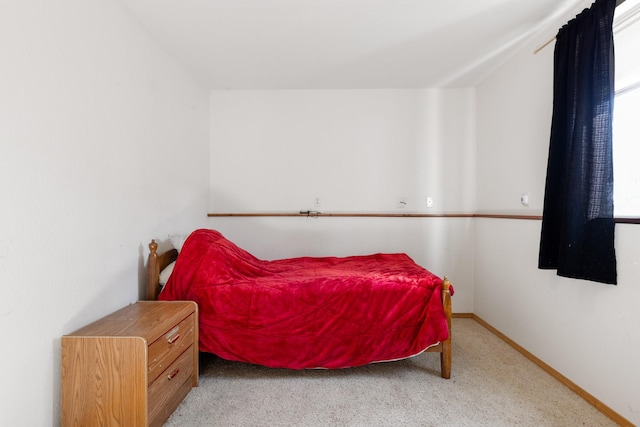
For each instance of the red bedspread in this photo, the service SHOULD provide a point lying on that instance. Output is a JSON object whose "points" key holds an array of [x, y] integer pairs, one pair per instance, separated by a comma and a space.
{"points": [[307, 312]]}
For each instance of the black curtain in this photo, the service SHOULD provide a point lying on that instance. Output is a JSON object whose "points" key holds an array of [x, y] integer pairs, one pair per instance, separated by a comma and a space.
{"points": [[578, 225]]}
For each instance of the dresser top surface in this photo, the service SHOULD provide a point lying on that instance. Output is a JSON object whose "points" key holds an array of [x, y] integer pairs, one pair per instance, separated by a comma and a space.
{"points": [[145, 319]]}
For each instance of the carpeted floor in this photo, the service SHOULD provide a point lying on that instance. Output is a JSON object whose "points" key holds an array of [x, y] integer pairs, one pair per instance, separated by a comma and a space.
{"points": [[491, 385]]}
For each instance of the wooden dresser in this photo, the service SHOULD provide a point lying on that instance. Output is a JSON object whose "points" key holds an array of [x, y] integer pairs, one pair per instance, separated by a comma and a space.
{"points": [[131, 368]]}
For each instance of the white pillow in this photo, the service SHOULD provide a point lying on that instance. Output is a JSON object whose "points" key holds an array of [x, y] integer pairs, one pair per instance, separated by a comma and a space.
{"points": [[177, 240], [164, 274]]}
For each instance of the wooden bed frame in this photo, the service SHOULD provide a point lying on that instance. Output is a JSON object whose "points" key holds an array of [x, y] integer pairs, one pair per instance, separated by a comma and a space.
{"points": [[158, 262]]}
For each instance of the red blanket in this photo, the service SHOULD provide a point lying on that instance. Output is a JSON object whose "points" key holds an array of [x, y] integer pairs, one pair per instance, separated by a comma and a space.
{"points": [[307, 312]]}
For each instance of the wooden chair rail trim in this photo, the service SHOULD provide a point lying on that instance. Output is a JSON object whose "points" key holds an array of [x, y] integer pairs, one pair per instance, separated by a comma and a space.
{"points": [[314, 214]]}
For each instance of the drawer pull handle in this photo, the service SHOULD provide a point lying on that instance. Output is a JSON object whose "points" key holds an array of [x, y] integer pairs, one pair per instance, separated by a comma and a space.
{"points": [[173, 335], [173, 374]]}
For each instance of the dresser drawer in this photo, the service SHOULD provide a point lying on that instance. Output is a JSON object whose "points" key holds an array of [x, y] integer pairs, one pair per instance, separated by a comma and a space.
{"points": [[167, 348], [168, 390]]}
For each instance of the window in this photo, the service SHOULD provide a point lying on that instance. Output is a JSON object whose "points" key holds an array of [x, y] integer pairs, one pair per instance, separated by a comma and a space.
{"points": [[626, 121]]}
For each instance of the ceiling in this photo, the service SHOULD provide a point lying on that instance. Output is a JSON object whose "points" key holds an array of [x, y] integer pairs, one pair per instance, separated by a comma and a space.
{"points": [[343, 44]]}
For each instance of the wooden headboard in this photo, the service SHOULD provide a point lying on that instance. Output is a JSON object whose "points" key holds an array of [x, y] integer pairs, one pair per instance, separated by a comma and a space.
{"points": [[155, 264]]}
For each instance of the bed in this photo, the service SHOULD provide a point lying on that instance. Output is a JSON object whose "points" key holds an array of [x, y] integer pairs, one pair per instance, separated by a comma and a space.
{"points": [[306, 312]]}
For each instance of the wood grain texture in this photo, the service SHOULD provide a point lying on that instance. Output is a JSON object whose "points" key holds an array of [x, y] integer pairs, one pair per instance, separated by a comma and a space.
{"points": [[104, 381], [167, 348], [106, 365], [166, 392]]}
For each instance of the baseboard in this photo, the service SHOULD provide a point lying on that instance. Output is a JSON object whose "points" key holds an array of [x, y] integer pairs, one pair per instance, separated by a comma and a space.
{"points": [[463, 315], [610, 413]]}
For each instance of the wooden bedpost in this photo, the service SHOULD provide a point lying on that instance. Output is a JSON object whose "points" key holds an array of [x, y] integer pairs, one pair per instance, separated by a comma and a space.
{"points": [[152, 272], [155, 264], [445, 356]]}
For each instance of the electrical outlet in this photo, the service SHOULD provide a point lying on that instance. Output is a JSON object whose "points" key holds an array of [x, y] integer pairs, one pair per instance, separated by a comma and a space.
{"points": [[316, 202], [429, 201]]}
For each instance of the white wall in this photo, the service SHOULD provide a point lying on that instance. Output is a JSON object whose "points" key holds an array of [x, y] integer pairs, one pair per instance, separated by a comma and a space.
{"points": [[586, 331], [358, 151], [103, 146]]}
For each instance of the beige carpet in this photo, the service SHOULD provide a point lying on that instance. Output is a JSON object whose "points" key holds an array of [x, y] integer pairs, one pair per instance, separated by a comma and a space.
{"points": [[491, 385]]}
